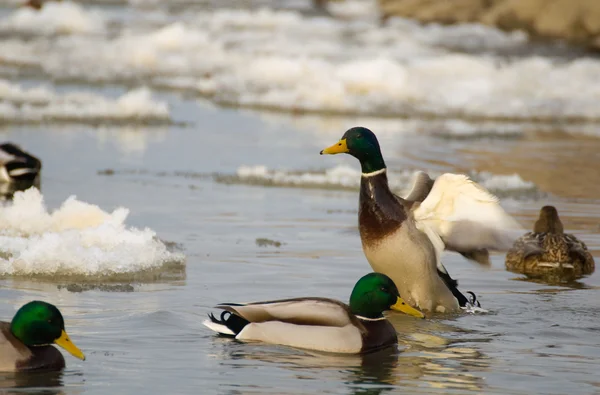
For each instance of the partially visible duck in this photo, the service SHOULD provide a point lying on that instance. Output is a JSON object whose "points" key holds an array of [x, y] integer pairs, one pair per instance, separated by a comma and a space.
{"points": [[18, 166], [404, 239], [318, 323], [548, 250], [37, 4], [25, 342]]}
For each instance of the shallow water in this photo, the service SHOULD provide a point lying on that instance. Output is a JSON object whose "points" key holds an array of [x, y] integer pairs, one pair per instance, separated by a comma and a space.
{"points": [[186, 180]]}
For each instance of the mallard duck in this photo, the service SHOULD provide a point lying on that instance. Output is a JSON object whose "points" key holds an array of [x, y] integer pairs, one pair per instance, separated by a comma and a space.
{"points": [[318, 323], [405, 238], [25, 341], [18, 166], [549, 250]]}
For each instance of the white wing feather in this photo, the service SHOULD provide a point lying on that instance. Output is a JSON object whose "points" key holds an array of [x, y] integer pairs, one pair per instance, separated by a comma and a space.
{"points": [[466, 215], [436, 240]]}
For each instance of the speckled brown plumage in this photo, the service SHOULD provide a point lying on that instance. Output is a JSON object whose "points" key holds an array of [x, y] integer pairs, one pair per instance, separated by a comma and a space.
{"points": [[549, 252]]}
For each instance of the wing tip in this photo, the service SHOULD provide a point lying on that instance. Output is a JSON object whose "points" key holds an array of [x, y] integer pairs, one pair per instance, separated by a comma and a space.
{"points": [[455, 177]]}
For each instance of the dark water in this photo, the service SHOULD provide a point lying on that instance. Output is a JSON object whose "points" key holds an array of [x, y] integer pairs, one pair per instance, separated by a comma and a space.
{"points": [[144, 334]]}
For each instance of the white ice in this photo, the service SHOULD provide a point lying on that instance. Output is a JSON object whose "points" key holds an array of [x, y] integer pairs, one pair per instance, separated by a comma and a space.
{"points": [[41, 103], [77, 239], [349, 177], [352, 64], [63, 17]]}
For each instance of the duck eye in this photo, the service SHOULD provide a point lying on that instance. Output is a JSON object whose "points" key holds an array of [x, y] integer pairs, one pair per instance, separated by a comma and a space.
{"points": [[384, 289]]}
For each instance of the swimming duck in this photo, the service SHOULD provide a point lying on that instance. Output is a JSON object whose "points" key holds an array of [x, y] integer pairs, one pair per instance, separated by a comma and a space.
{"points": [[405, 238], [18, 166], [25, 341], [318, 323], [549, 250]]}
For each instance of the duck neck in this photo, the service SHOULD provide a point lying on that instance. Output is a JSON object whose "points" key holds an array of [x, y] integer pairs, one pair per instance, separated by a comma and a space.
{"points": [[374, 186], [548, 225], [372, 163], [380, 212], [364, 308]]}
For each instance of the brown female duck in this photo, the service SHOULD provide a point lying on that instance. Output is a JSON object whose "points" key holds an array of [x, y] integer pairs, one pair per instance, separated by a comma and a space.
{"points": [[548, 250]]}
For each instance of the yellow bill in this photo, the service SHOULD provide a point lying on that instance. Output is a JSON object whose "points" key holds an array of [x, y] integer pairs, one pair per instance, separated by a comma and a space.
{"points": [[404, 307], [338, 148], [65, 342]]}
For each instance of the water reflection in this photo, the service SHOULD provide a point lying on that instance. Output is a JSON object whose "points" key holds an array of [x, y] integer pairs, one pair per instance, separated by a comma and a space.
{"points": [[131, 140], [437, 361], [375, 374], [423, 359], [46, 383], [554, 280], [371, 373]]}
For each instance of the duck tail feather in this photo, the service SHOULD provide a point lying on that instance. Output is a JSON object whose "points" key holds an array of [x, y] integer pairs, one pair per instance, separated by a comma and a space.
{"points": [[228, 324]]}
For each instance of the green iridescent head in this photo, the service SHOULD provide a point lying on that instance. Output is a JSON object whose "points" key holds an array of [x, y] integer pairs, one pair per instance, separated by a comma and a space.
{"points": [[375, 293], [363, 145], [39, 324]]}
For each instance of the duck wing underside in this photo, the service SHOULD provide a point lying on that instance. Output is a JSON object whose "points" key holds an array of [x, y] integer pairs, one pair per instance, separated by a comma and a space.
{"points": [[467, 218], [421, 186]]}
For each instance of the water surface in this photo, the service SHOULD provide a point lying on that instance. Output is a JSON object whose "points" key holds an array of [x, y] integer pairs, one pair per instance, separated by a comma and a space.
{"points": [[180, 174]]}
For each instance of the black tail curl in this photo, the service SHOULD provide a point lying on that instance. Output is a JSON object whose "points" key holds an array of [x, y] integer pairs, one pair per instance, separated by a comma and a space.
{"points": [[474, 301], [234, 322]]}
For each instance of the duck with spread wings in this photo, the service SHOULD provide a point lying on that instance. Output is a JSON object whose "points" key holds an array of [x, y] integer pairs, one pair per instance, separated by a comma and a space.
{"points": [[405, 237]]}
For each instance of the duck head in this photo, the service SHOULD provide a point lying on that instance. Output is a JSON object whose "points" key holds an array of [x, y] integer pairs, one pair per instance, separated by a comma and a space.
{"points": [[375, 293], [363, 145], [548, 222], [40, 324]]}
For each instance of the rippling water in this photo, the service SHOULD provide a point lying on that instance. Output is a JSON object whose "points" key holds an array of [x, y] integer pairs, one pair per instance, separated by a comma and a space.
{"points": [[118, 101]]}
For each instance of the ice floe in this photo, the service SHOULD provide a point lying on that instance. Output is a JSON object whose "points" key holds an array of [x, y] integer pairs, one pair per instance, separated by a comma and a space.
{"points": [[78, 239], [346, 177], [37, 104]]}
